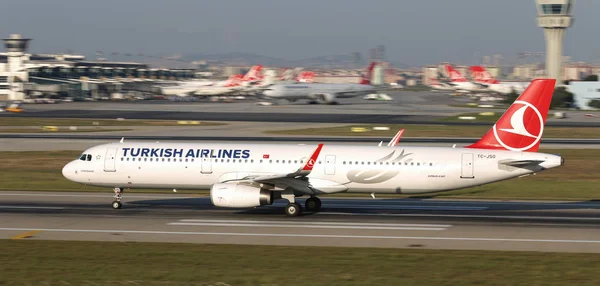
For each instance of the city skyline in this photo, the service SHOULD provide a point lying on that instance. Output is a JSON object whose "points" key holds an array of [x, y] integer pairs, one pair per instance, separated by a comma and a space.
{"points": [[413, 33]]}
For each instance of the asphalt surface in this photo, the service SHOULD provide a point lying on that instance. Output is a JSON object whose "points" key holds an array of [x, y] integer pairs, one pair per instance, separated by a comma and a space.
{"points": [[441, 140], [396, 223], [407, 107]]}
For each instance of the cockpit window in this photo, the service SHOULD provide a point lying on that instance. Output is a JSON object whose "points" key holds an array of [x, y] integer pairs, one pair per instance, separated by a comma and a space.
{"points": [[85, 157]]}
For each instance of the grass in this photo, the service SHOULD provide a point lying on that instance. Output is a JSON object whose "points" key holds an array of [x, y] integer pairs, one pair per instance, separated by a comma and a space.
{"points": [[18, 168], [577, 180], [413, 130], [483, 116], [37, 262], [31, 121]]}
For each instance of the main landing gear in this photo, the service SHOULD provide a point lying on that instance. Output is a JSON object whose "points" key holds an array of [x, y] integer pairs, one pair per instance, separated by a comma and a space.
{"points": [[116, 204], [312, 204]]}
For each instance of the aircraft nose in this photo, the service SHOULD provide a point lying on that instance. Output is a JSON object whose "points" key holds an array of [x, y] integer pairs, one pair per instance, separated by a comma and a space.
{"points": [[69, 171]]}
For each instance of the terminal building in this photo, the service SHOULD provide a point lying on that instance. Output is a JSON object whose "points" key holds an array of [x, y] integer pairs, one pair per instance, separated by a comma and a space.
{"points": [[24, 75]]}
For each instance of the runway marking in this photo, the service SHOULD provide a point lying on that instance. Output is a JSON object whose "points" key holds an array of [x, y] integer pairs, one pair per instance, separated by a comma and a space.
{"points": [[311, 222], [27, 234], [32, 207], [294, 225], [407, 207], [467, 216], [93, 196], [483, 239]]}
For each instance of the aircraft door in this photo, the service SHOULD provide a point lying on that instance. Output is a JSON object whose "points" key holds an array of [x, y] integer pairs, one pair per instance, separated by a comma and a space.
{"points": [[467, 166], [110, 160], [206, 167], [330, 165]]}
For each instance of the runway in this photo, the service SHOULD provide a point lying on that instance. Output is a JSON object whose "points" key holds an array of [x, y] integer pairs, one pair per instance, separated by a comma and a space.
{"points": [[408, 107], [352, 222], [282, 139]]}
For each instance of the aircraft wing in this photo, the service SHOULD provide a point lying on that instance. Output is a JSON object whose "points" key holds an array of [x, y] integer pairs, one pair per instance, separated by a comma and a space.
{"points": [[296, 179], [301, 172]]}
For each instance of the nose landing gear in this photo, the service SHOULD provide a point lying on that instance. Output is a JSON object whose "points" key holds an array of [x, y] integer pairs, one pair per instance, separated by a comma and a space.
{"points": [[116, 204]]}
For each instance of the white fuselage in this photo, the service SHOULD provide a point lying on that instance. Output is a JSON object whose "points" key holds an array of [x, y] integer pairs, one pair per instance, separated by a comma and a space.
{"points": [[324, 91], [465, 86], [339, 168]]}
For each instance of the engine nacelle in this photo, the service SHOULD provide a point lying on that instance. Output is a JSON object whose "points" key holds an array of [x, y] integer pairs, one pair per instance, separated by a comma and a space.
{"points": [[325, 97], [231, 195]]}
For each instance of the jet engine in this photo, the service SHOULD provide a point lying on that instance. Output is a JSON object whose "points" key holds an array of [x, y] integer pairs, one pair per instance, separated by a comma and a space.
{"points": [[326, 98], [239, 196]]}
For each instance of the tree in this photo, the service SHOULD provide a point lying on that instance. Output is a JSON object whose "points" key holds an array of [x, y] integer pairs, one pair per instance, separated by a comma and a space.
{"points": [[591, 77], [594, 103], [561, 98], [511, 97]]}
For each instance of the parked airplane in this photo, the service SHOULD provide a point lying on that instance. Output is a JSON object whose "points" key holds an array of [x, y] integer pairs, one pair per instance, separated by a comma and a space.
{"points": [[324, 92], [436, 84], [460, 83], [251, 175], [233, 84], [483, 77]]}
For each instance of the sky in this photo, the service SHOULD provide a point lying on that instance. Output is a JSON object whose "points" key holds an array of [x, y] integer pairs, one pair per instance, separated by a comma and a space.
{"points": [[414, 32]]}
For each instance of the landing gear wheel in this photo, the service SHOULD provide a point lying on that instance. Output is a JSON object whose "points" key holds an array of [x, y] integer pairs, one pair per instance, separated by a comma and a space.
{"points": [[293, 209], [313, 204], [118, 195], [117, 205]]}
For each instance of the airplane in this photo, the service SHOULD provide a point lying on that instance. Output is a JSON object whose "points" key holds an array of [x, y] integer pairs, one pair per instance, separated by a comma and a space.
{"points": [[483, 77], [243, 175], [306, 77], [459, 83], [234, 83], [436, 84], [324, 92]]}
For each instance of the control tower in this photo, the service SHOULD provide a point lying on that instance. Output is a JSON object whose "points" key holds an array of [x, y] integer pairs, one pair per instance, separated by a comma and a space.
{"points": [[554, 16], [16, 48], [15, 74]]}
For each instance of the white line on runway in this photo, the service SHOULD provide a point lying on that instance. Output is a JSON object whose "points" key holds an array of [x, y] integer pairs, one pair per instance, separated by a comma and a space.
{"points": [[312, 222], [307, 226], [484, 239], [94, 196], [407, 207], [468, 216], [33, 207]]}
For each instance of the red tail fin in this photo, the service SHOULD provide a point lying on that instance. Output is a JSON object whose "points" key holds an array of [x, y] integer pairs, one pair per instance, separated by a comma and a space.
{"points": [[234, 80], [306, 76], [520, 128], [454, 75], [480, 75], [366, 79], [253, 74]]}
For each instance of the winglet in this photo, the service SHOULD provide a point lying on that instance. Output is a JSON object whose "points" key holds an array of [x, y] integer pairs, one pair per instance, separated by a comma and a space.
{"points": [[313, 159], [122, 139], [396, 138]]}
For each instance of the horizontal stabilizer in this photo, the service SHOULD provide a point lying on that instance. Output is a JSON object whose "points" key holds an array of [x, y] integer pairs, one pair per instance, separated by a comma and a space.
{"points": [[520, 163]]}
